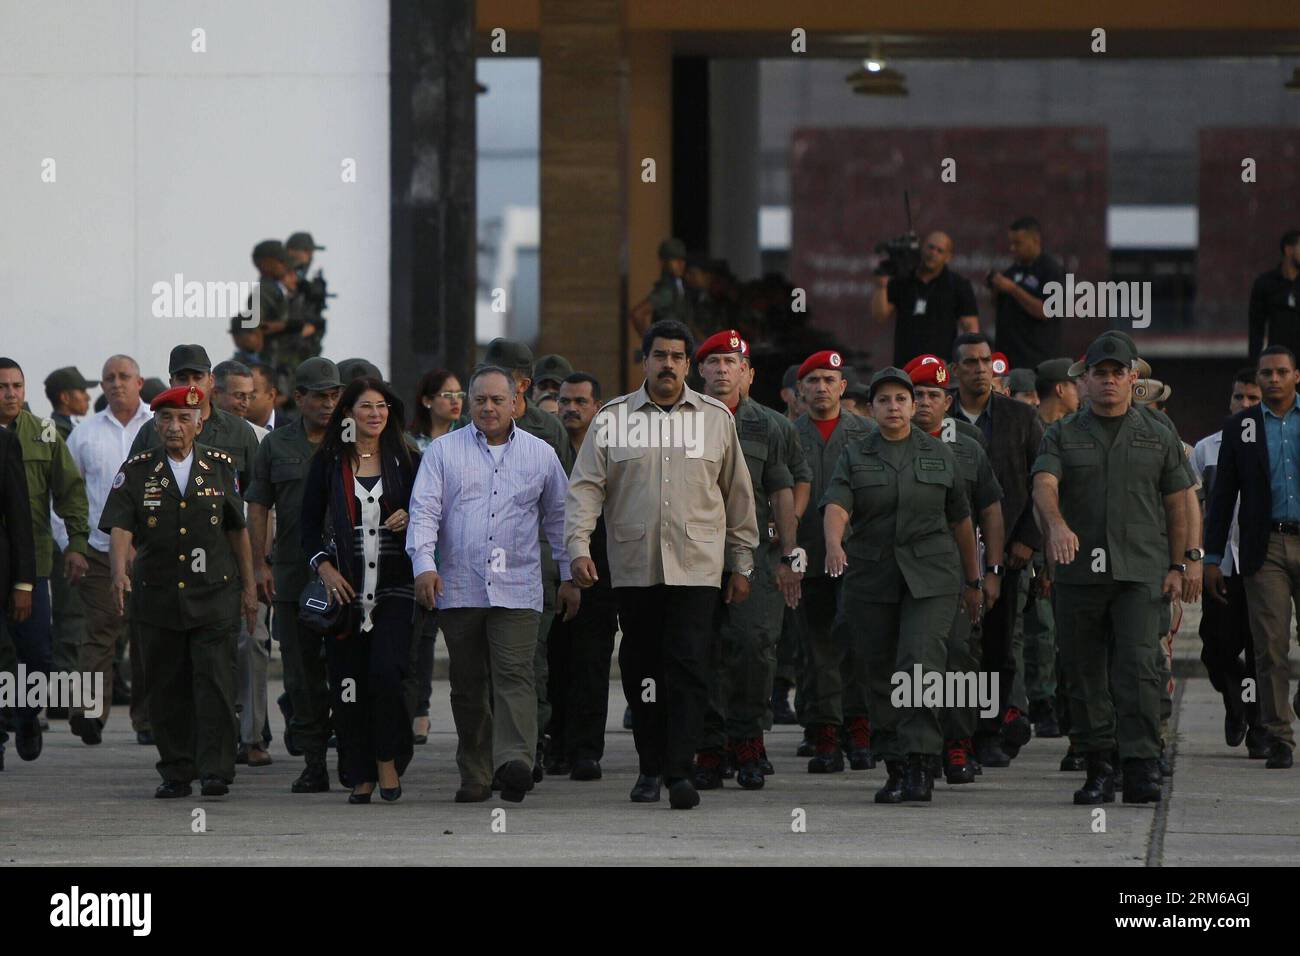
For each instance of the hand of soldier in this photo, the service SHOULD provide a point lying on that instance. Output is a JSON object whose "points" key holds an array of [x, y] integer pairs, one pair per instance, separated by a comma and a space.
{"points": [[121, 588], [428, 588], [74, 567], [584, 572], [1215, 586], [20, 606], [992, 590], [788, 580], [973, 601], [1063, 544], [570, 599], [1192, 583], [737, 589], [308, 330], [1173, 586], [265, 583], [836, 561], [1019, 555], [248, 606], [335, 583]]}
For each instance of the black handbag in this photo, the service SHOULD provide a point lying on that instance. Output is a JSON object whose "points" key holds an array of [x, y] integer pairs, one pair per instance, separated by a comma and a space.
{"points": [[320, 614]]}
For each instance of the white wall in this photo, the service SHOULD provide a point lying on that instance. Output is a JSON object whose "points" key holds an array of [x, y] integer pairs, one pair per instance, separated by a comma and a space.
{"points": [[173, 161]]}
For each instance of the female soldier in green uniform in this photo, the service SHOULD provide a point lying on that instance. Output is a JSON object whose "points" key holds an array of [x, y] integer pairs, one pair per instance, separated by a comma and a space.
{"points": [[902, 492]]}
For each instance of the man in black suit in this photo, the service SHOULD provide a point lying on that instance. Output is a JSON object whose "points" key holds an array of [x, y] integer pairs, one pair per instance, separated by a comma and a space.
{"points": [[17, 550], [1260, 461], [1012, 433]]}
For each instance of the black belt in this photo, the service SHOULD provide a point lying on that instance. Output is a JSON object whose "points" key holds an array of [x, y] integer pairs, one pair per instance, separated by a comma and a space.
{"points": [[1286, 527]]}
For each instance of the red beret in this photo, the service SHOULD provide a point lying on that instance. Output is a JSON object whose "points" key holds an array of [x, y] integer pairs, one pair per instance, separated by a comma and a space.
{"points": [[1001, 364], [927, 370], [182, 396], [826, 359], [728, 341]]}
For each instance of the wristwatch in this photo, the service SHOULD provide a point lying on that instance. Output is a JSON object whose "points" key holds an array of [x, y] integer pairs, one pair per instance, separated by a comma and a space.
{"points": [[1194, 554], [997, 569], [747, 575], [788, 559], [1180, 568], [976, 585]]}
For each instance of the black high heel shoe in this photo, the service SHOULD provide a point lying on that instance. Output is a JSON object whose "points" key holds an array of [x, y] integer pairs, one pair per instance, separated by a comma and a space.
{"points": [[355, 797], [390, 795]]}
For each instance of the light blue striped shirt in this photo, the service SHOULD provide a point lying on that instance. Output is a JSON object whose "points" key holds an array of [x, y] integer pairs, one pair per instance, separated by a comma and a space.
{"points": [[482, 516]]}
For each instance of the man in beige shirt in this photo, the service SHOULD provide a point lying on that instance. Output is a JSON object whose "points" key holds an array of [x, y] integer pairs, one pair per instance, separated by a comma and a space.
{"points": [[665, 465]]}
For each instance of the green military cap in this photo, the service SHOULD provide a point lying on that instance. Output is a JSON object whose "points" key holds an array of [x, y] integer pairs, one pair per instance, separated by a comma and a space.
{"points": [[303, 242], [67, 379], [1143, 369], [509, 355], [858, 392], [317, 375], [152, 388], [672, 249], [351, 369], [1054, 370], [189, 358], [1023, 380], [270, 249], [553, 367], [889, 374], [1110, 348]]}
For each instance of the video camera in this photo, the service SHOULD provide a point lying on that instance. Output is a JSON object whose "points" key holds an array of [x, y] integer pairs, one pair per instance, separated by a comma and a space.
{"points": [[902, 254]]}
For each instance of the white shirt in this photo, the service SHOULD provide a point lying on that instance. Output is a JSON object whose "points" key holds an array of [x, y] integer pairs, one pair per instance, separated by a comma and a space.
{"points": [[371, 519], [181, 470], [99, 445], [1206, 456]]}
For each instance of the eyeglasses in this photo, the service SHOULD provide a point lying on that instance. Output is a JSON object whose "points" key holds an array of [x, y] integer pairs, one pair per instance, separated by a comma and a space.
{"points": [[451, 396], [372, 406]]}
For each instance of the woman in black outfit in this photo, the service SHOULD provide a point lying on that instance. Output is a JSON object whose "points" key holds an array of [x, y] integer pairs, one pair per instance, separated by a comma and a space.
{"points": [[354, 516]]}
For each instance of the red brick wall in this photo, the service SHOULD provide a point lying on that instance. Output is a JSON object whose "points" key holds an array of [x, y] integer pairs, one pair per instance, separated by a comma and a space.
{"points": [[1240, 223], [847, 195]]}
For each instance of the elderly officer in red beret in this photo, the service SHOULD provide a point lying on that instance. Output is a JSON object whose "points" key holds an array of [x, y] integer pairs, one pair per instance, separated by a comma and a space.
{"points": [[832, 693], [177, 505]]}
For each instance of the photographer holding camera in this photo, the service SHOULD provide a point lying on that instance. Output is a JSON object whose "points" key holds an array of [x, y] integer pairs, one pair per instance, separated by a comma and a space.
{"points": [[930, 303]]}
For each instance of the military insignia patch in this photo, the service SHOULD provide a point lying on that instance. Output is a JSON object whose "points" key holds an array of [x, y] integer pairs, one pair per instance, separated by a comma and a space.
{"points": [[215, 520], [835, 360], [192, 397], [119, 480], [932, 464], [941, 374], [158, 467], [152, 522]]}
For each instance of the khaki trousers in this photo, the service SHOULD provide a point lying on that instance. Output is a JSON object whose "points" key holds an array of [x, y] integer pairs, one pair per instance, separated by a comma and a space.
{"points": [[1270, 592]]}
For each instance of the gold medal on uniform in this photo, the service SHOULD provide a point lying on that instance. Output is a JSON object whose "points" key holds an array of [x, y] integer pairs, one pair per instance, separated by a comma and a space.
{"points": [[215, 520], [152, 522]]}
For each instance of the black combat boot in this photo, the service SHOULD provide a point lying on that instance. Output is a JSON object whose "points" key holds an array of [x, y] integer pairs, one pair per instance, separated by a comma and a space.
{"points": [[708, 770], [1141, 781], [857, 744], [1073, 761], [1100, 785], [828, 757], [892, 791], [749, 772], [918, 784], [956, 763], [315, 776]]}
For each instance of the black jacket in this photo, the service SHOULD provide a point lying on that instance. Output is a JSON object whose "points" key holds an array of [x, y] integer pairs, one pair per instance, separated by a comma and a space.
{"points": [[17, 541], [1017, 433], [1243, 469]]}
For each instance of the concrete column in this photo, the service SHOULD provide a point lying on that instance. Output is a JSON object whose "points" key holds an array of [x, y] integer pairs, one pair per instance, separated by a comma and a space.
{"points": [[734, 165], [433, 163], [581, 50]]}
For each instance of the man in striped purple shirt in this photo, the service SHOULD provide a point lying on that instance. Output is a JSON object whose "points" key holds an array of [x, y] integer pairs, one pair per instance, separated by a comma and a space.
{"points": [[478, 500]]}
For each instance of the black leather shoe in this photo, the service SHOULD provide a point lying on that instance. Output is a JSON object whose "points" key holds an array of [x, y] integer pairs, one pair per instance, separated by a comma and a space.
{"points": [[918, 785], [472, 793], [708, 770], [314, 777], [827, 757], [1016, 729], [682, 795], [144, 738], [646, 789], [782, 712], [89, 729], [171, 789], [1279, 756], [1073, 762], [1257, 743], [749, 773], [558, 767], [1099, 787], [806, 746], [1234, 728], [1139, 785], [393, 794], [990, 754], [516, 780], [956, 764], [627, 718], [892, 791], [584, 768], [214, 787], [28, 740], [357, 798]]}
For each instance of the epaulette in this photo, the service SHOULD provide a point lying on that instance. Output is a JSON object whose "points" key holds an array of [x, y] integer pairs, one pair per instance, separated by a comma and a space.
{"points": [[143, 456], [220, 456]]}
